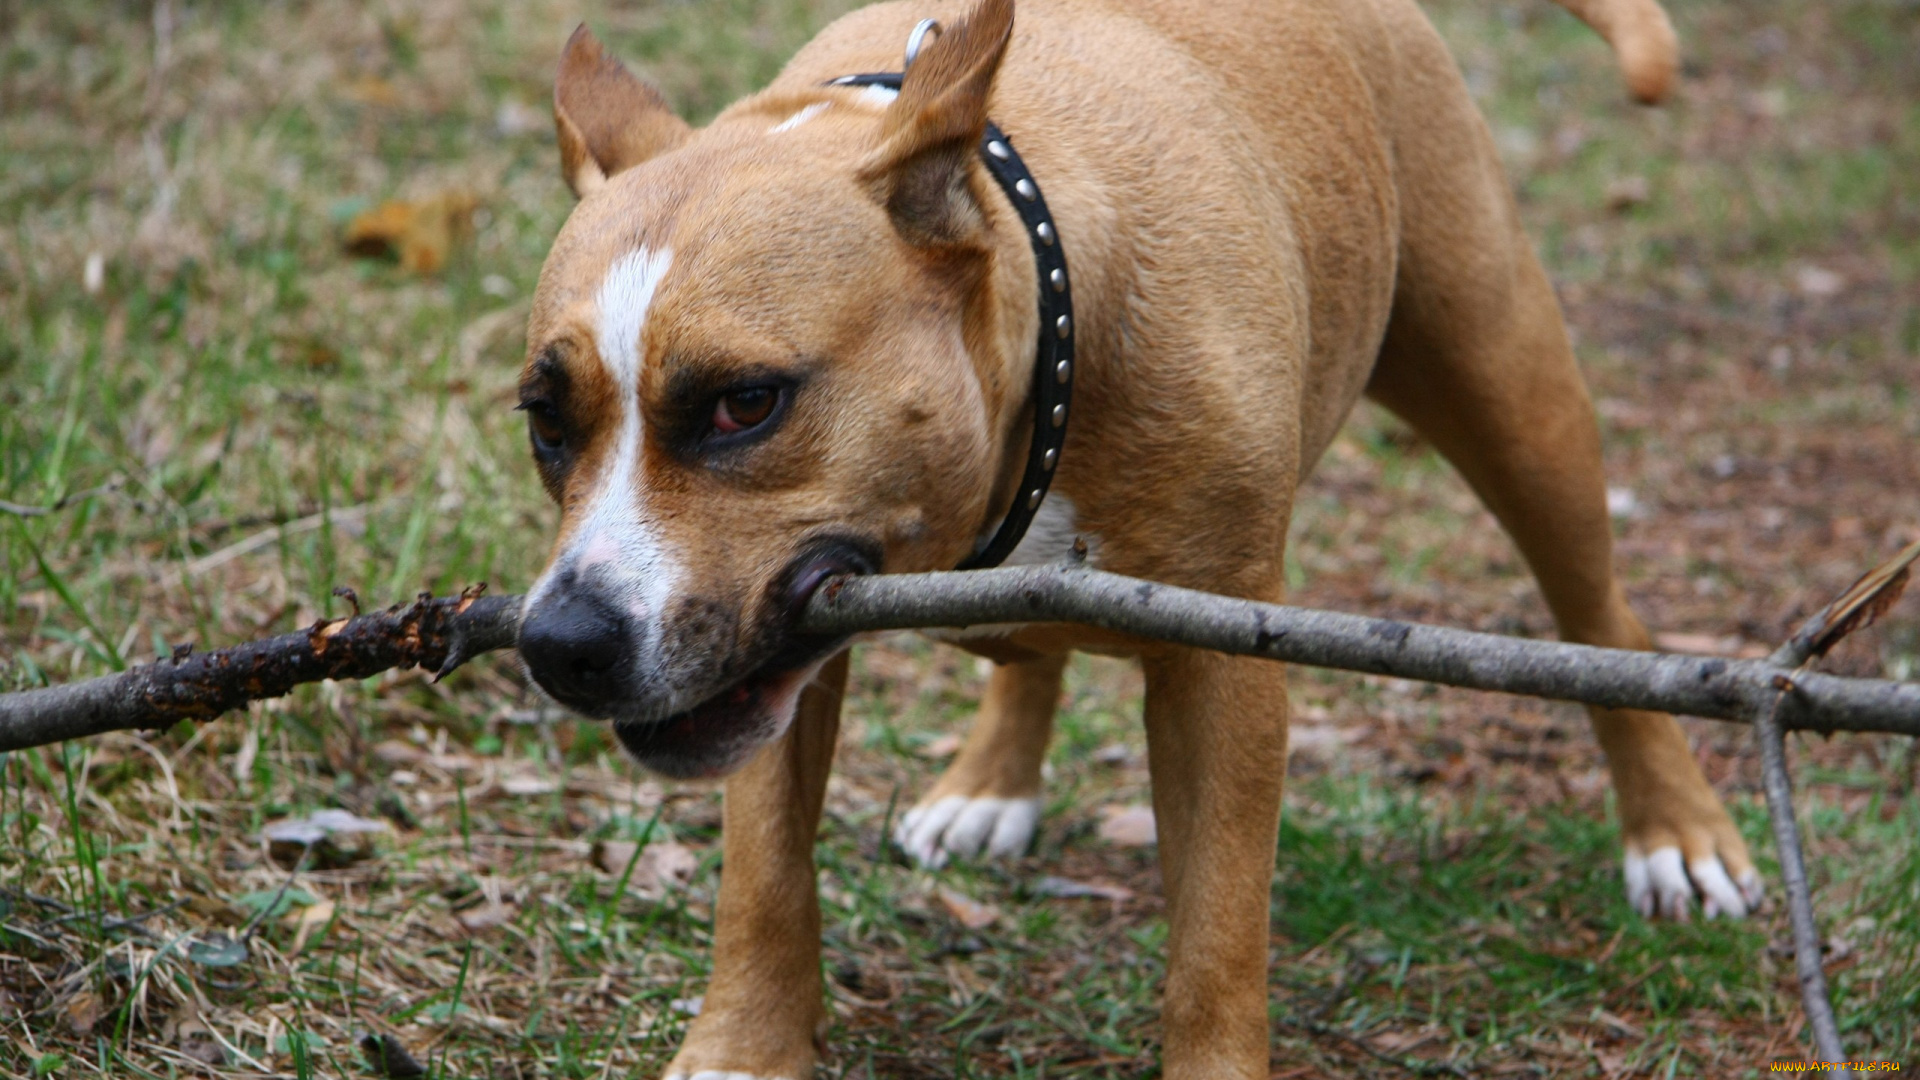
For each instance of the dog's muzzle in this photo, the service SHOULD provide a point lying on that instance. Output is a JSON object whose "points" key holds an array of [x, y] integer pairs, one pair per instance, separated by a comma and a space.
{"points": [[691, 702], [579, 648]]}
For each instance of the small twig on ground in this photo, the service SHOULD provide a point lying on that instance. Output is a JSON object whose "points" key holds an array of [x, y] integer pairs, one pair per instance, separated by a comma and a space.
{"points": [[1793, 877], [1865, 601], [345, 515], [64, 501]]}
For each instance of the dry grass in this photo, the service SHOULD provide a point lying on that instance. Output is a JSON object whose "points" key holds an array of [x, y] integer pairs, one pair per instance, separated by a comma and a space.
{"points": [[275, 419]]}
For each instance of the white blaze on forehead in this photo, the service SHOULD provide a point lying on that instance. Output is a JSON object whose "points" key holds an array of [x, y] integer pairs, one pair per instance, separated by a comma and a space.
{"points": [[799, 118], [615, 538], [625, 294]]}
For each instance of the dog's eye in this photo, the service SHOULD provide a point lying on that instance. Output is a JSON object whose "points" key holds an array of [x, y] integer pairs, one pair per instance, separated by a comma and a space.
{"points": [[544, 427], [738, 410]]}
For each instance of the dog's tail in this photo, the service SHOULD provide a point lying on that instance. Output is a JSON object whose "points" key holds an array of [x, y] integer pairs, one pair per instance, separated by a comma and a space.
{"points": [[1642, 38]]}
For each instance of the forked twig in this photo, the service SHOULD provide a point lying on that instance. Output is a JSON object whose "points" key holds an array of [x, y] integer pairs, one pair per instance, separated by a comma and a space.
{"points": [[1863, 602]]}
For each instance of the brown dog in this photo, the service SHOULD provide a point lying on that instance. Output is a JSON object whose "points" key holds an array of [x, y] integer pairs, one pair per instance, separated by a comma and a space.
{"points": [[801, 342]]}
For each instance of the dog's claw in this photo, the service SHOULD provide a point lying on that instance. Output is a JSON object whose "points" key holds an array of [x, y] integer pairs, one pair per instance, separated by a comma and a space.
{"points": [[1666, 884], [1719, 894]]}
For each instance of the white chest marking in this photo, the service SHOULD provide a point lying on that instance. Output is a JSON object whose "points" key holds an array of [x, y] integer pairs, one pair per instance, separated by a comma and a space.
{"points": [[1050, 537], [799, 118]]}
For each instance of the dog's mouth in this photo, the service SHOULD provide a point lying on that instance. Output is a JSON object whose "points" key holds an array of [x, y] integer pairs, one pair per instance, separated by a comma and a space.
{"points": [[720, 733]]}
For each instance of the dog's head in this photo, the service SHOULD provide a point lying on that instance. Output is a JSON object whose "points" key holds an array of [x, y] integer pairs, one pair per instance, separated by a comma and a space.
{"points": [[759, 355]]}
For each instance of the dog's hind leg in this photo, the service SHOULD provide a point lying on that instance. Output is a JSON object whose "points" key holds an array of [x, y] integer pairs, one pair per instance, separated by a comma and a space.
{"points": [[1476, 358], [989, 798], [762, 1017]]}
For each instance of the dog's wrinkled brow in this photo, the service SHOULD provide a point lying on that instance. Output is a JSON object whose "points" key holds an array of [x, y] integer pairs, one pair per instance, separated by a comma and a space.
{"points": [[547, 373]]}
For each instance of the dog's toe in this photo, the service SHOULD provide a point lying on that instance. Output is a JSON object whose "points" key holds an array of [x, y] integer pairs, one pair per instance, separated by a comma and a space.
{"points": [[919, 832], [1664, 883], [957, 825], [1720, 896]]}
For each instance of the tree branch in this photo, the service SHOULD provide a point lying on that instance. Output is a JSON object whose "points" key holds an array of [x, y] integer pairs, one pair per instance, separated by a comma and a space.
{"points": [[1775, 695], [1614, 678], [442, 634], [436, 634]]}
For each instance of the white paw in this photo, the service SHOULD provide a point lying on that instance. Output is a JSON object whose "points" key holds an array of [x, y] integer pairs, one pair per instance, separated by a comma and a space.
{"points": [[957, 825], [1665, 883]]}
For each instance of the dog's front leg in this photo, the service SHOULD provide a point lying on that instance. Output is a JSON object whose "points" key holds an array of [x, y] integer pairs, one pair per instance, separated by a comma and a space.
{"points": [[1217, 746], [763, 1016]]}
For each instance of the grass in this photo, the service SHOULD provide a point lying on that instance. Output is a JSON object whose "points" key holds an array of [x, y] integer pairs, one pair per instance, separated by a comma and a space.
{"points": [[243, 418]]}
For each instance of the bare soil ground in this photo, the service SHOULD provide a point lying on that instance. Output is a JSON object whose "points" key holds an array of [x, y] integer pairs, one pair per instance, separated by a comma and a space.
{"points": [[252, 417]]}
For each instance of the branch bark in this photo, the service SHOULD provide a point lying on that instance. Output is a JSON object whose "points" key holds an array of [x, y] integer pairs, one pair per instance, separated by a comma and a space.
{"points": [[1616, 678], [442, 634], [436, 634]]}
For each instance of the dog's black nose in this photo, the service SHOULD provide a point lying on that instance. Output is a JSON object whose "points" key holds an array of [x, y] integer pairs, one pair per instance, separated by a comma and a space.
{"points": [[577, 648]]}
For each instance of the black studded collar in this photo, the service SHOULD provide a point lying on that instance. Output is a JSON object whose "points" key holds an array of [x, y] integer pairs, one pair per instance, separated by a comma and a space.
{"points": [[1053, 359]]}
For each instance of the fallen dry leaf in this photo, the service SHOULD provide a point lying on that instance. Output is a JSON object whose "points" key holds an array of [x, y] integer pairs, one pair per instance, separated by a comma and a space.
{"points": [[82, 1011], [970, 913], [662, 866], [198, 1043], [1709, 645], [185, 1030], [943, 747], [1819, 282], [1627, 192], [217, 910], [371, 90], [318, 826], [1129, 826], [306, 920], [1682, 642], [332, 838], [1069, 889], [528, 785], [396, 752], [421, 234], [485, 917]]}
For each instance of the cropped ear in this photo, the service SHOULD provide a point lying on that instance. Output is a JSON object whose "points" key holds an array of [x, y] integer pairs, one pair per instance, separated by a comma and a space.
{"points": [[930, 132], [607, 119]]}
